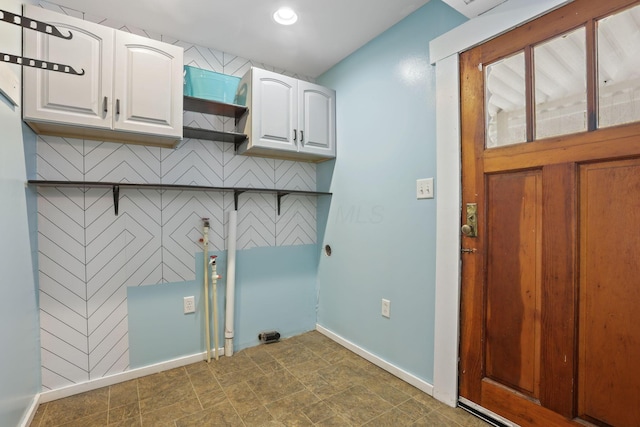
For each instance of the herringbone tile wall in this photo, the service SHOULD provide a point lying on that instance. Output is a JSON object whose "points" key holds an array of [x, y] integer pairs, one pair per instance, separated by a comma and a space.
{"points": [[88, 256]]}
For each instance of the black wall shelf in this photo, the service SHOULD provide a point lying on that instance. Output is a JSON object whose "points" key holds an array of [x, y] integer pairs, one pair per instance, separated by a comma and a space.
{"points": [[216, 108], [213, 135], [116, 186]]}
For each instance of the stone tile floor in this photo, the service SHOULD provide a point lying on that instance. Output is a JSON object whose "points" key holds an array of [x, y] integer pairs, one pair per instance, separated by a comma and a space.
{"points": [[307, 380]]}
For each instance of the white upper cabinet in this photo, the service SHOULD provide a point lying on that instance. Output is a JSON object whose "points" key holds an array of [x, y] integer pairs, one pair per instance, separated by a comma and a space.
{"points": [[288, 118], [147, 85], [316, 120], [274, 98], [60, 97], [131, 90]]}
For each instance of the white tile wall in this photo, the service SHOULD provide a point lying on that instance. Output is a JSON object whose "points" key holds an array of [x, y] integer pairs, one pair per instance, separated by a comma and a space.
{"points": [[88, 256]]}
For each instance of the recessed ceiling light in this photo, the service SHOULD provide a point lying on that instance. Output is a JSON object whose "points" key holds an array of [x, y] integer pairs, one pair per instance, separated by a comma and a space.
{"points": [[285, 16]]}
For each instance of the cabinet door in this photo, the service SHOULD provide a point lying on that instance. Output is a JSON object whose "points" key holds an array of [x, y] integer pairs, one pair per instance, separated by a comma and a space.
{"points": [[316, 115], [274, 110], [66, 98], [148, 86]]}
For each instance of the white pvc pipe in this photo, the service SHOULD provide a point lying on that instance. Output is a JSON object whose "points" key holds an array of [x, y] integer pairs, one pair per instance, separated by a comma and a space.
{"points": [[205, 255], [214, 282], [231, 282]]}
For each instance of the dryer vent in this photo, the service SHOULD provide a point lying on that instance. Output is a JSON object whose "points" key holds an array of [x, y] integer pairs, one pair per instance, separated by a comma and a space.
{"points": [[269, 337]]}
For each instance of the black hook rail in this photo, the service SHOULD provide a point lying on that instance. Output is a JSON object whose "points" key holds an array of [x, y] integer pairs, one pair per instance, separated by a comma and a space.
{"points": [[32, 24], [37, 63], [41, 27]]}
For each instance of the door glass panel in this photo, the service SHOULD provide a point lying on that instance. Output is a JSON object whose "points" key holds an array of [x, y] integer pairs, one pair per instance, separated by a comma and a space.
{"points": [[505, 102], [618, 65], [561, 85]]}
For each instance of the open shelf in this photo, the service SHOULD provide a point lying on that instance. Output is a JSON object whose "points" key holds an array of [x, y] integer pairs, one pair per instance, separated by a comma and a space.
{"points": [[216, 108], [214, 135], [116, 186], [206, 106]]}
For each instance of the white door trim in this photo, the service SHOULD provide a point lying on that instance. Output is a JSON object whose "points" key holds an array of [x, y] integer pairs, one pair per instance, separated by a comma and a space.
{"points": [[447, 315], [499, 20]]}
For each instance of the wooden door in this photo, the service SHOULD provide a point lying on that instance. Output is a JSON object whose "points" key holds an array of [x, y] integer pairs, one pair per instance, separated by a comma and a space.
{"points": [[551, 283]]}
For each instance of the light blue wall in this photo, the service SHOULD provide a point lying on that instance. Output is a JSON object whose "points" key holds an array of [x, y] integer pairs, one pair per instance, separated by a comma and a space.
{"points": [[383, 239], [275, 290], [19, 337]]}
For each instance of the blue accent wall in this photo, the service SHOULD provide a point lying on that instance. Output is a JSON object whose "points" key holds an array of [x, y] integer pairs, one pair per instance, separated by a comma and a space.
{"points": [[19, 334], [382, 237], [275, 290]]}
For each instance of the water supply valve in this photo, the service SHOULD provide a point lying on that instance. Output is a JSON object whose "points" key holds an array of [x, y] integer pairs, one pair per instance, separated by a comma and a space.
{"points": [[212, 263]]}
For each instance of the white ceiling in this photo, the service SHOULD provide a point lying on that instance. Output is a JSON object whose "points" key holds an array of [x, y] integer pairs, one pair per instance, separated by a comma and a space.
{"points": [[327, 31]]}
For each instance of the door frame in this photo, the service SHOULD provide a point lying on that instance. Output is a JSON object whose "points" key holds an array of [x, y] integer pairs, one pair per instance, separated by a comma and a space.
{"points": [[444, 52]]}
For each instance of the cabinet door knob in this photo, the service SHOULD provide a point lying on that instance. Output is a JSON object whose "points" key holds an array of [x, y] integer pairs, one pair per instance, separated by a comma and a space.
{"points": [[104, 105], [117, 107], [295, 135], [301, 136]]}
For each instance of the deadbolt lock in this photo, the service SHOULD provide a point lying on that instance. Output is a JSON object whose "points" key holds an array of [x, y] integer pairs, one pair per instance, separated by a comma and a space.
{"points": [[470, 229]]}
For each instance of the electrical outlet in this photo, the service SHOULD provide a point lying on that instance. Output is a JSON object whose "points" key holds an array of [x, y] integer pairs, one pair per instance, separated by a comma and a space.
{"points": [[189, 305], [386, 308], [424, 188]]}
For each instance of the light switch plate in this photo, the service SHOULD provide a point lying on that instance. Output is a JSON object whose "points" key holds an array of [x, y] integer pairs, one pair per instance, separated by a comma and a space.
{"points": [[9, 84], [424, 188]]}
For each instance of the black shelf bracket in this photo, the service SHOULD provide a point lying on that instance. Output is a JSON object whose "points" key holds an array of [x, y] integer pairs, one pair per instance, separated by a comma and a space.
{"points": [[237, 119], [280, 195], [236, 193], [32, 24], [116, 198]]}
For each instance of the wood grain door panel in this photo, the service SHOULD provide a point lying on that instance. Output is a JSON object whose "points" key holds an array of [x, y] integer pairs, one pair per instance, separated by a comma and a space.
{"points": [[514, 212], [609, 373]]}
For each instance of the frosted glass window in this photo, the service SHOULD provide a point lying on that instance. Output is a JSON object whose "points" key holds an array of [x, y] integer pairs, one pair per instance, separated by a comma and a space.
{"points": [[560, 85], [619, 68], [505, 102]]}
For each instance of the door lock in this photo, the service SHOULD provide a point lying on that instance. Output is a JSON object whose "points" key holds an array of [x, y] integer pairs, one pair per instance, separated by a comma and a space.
{"points": [[470, 229]]}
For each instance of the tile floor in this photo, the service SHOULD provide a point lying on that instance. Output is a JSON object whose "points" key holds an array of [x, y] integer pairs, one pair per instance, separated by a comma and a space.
{"points": [[306, 380]]}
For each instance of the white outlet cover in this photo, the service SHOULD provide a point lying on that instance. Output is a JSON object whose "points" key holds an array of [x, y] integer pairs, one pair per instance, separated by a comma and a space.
{"points": [[386, 308], [189, 305]]}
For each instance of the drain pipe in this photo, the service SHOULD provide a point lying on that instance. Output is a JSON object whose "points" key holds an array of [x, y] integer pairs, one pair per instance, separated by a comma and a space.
{"points": [[214, 282], [231, 282], [205, 254]]}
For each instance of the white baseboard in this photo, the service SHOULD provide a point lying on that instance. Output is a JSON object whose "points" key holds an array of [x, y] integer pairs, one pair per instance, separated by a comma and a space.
{"points": [[132, 374], [31, 412], [389, 367]]}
